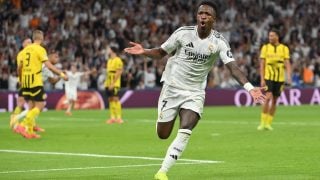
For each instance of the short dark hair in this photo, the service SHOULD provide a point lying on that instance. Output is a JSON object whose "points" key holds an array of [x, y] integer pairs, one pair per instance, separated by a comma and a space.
{"points": [[211, 4], [115, 49], [275, 30]]}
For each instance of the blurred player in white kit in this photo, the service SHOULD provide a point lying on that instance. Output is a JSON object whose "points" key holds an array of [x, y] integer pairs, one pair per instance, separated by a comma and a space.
{"points": [[71, 86]]}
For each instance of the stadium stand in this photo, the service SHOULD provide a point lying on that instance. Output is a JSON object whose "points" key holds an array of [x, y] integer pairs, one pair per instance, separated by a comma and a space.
{"points": [[81, 29]]}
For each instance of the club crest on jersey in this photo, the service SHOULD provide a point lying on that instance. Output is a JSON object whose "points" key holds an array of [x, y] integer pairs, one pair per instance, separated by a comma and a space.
{"points": [[210, 47]]}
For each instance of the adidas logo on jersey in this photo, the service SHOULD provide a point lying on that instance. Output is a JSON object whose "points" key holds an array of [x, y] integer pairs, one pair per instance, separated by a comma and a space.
{"points": [[190, 45], [174, 156]]}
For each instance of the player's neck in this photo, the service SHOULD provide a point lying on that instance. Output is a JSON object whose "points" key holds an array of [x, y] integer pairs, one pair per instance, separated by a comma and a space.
{"points": [[113, 55], [203, 33], [37, 42]]}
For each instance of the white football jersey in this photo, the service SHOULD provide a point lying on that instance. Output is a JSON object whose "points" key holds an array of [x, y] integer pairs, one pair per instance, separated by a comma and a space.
{"points": [[46, 73], [73, 80], [193, 57]]}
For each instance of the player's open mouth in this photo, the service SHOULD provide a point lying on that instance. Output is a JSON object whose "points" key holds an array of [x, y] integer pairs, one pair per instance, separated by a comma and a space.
{"points": [[202, 24]]}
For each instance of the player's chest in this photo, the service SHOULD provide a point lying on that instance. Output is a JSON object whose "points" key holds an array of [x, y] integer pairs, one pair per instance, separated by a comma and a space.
{"points": [[196, 45], [73, 77], [112, 64], [198, 51], [274, 55]]}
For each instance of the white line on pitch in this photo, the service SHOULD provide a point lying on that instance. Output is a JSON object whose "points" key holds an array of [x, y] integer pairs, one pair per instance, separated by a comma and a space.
{"points": [[206, 121], [88, 168], [103, 156], [242, 122]]}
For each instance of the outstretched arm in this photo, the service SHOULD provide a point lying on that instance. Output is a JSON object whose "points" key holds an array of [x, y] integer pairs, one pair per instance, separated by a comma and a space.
{"points": [[56, 70], [255, 92], [237, 73], [137, 49]]}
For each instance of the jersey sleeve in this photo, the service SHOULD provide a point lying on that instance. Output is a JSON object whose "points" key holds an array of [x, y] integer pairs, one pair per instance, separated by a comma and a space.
{"points": [[172, 43], [286, 53], [43, 54], [225, 52], [19, 58], [119, 64], [263, 52]]}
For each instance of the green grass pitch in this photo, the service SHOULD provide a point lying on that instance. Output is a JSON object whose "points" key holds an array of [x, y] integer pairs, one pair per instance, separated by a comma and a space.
{"points": [[84, 147]]}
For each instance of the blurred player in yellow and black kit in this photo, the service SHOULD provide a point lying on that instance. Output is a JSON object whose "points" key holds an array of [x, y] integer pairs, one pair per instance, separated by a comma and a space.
{"points": [[113, 84], [274, 62], [20, 100], [33, 56]]}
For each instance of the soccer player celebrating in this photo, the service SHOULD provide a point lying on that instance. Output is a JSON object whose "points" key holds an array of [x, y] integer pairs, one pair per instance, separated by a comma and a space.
{"points": [[195, 49], [274, 61], [71, 86], [112, 84], [30, 76]]}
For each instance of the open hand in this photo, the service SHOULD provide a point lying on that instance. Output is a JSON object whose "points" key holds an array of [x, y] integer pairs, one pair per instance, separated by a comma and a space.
{"points": [[257, 95], [136, 49]]}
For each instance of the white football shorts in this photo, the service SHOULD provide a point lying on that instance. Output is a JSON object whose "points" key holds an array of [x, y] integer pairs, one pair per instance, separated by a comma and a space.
{"points": [[71, 94], [171, 100]]}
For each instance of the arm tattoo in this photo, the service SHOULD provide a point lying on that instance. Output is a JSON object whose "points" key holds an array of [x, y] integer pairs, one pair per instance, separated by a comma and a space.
{"points": [[237, 73]]}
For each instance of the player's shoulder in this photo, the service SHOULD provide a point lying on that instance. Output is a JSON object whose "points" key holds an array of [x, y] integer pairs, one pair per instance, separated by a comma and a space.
{"points": [[283, 45], [118, 59], [185, 29], [217, 36], [40, 47], [266, 45], [36, 47], [20, 53]]}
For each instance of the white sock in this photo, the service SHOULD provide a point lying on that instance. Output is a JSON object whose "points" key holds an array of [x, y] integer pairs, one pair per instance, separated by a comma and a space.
{"points": [[175, 149], [22, 114]]}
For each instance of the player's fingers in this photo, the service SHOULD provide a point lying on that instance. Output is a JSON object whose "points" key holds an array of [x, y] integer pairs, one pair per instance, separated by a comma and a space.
{"points": [[133, 43], [261, 99], [263, 88]]}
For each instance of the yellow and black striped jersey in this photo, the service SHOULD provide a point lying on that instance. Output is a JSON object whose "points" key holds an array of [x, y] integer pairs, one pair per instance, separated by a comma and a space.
{"points": [[113, 65], [32, 58], [19, 57], [274, 57]]}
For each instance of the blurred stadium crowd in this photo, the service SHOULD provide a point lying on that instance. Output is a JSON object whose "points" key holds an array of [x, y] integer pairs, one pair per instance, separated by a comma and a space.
{"points": [[80, 30]]}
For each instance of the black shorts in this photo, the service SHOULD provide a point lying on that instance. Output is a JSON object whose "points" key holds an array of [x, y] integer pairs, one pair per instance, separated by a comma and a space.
{"points": [[34, 94], [275, 87], [20, 92], [113, 92]]}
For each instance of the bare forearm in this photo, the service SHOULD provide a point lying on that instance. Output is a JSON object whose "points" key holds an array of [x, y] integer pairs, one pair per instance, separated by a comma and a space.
{"points": [[53, 68], [156, 53], [237, 73], [262, 66], [288, 69]]}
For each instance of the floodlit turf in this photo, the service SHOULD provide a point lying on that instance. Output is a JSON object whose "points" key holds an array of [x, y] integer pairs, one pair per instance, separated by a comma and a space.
{"points": [[84, 147]]}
